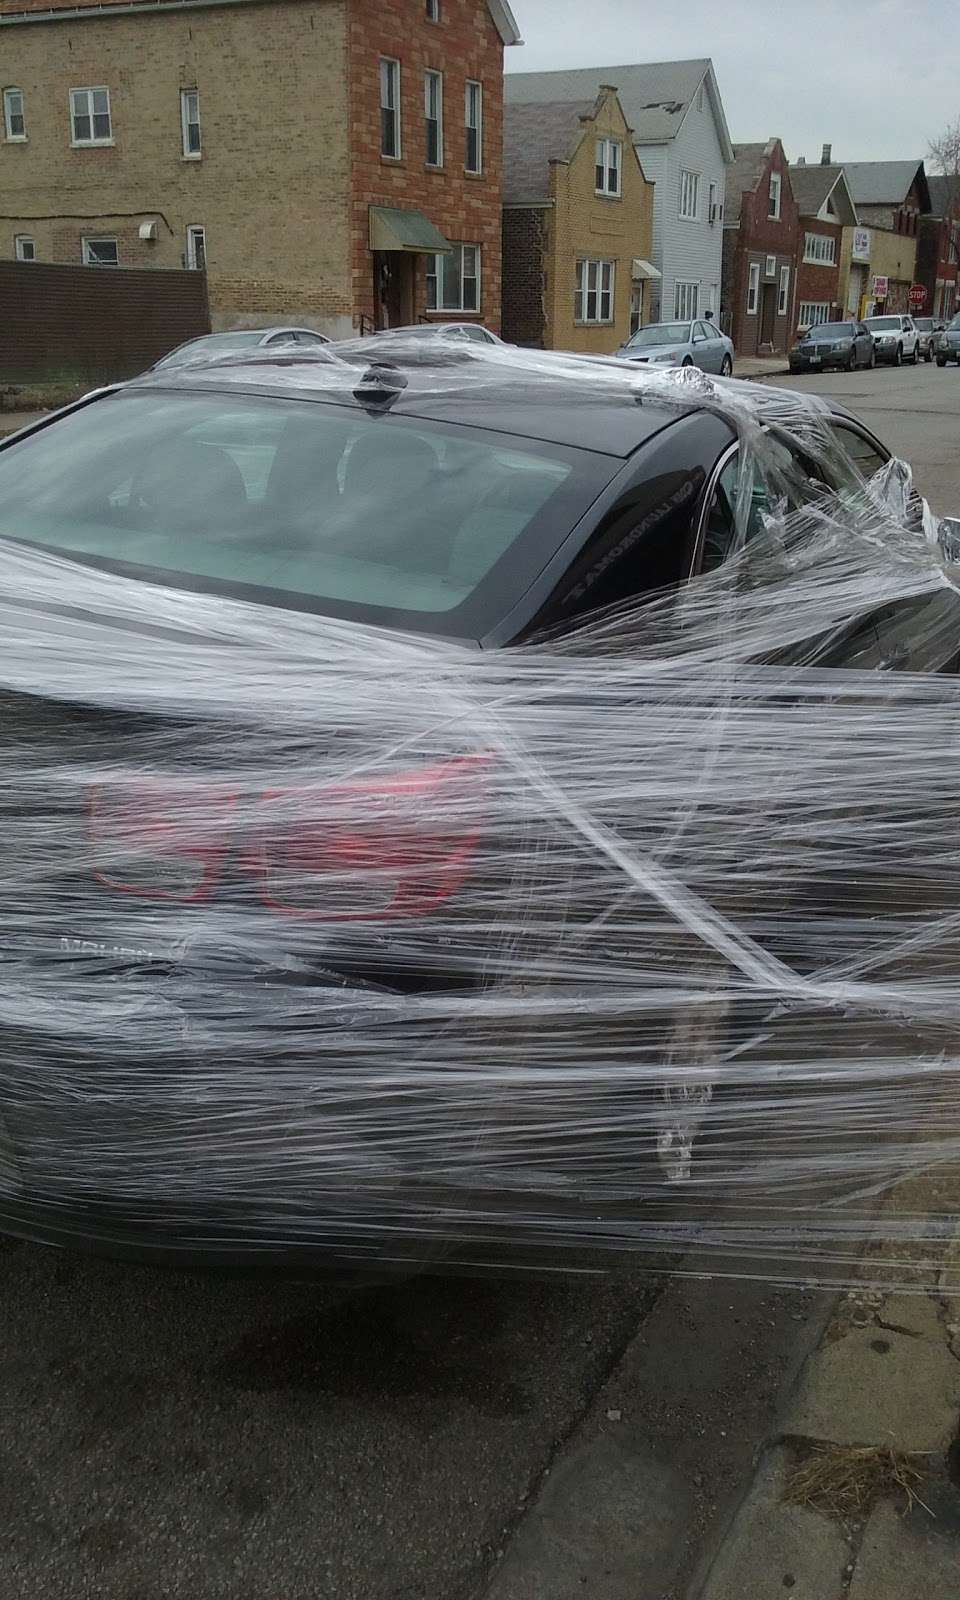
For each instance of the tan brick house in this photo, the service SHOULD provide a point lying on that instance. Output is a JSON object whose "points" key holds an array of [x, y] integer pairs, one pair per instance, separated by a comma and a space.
{"points": [[880, 254], [577, 225], [336, 162], [759, 250]]}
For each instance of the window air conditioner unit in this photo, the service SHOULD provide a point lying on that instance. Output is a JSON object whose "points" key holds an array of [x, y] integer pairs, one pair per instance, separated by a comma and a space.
{"points": [[148, 230]]}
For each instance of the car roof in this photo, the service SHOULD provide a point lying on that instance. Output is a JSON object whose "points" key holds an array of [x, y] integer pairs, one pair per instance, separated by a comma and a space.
{"points": [[576, 402]]}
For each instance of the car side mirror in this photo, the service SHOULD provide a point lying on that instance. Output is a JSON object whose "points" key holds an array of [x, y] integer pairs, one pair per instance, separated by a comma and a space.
{"points": [[948, 537]]}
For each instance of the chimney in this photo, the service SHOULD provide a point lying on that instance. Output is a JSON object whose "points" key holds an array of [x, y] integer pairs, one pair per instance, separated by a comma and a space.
{"points": [[801, 161], [827, 155]]}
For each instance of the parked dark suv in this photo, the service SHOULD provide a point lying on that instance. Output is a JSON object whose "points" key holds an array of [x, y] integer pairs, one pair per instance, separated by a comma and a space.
{"points": [[251, 951]]}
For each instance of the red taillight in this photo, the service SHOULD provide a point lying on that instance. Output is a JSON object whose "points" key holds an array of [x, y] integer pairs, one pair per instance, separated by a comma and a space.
{"points": [[387, 847], [162, 840]]}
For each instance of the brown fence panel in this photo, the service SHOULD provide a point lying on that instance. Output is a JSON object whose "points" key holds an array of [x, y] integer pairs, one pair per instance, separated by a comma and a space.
{"points": [[93, 324]]}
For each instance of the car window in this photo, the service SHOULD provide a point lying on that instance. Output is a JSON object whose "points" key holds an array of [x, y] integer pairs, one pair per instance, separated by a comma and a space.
{"points": [[274, 498], [304, 336], [702, 331], [475, 335], [282, 338], [719, 537], [869, 459]]}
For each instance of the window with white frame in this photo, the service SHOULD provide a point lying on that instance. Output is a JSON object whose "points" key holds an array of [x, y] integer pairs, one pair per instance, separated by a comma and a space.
{"points": [[473, 119], [196, 248], [712, 210], [609, 166], [773, 198], [689, 196], [389, 107], [686, 302], [100, 252], [595, 287], [813, 312], [453, 280], [14, 119], [433, 10], [90, 120], [433, 112], [24, 248], [784, 294], [753, 288], [820, 248], [190, 123]]}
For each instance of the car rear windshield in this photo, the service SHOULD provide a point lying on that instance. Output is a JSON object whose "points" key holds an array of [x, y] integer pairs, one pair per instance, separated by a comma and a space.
{"points": [[883, 324], [925, 324], [832, 330], [307, 504], [660, 333], [212, 344]]}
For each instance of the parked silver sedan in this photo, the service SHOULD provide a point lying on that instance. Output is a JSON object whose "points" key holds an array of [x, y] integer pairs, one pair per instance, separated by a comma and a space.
{"points": [[681, 344], [212, 346]]}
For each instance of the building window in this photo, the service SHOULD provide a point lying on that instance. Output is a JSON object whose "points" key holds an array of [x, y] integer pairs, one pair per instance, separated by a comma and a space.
{"points": [[813, 312], [190, 123], [773, 202], [784, 295], [689, 196], [686, 303], [609, 164], [820, 248], [389, 108], [14, 121], [712, 208], [196, 249], [100, 253], [90, 121], [433, 10], [433, 111], [700, 98], [473, 116], [594, 291], [753, 289], [453, 281], [24, 248]]}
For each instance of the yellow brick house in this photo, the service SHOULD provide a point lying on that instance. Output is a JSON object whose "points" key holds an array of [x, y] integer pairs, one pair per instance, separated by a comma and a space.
{"points": [[577, 226]]}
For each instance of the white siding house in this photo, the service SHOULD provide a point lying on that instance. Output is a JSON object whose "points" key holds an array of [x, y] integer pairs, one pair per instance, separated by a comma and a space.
{"points": [[683, 142]]}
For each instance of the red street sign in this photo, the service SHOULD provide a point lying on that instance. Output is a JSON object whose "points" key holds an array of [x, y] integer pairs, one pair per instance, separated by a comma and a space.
{"points": [[918, 295]]}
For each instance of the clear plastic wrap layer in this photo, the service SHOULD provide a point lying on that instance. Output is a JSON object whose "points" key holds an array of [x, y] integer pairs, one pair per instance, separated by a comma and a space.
{"points": [[330, 941]]}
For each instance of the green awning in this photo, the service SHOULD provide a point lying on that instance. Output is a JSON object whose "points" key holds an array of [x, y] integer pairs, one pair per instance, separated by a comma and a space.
{"points": [[392, 229]]}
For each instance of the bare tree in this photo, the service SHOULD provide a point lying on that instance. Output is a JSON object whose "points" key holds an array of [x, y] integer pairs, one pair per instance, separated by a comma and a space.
{"points": [[943, 153]]}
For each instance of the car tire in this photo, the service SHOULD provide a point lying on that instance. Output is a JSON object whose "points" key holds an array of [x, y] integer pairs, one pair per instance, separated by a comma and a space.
{"points": [[941, 361], [872, 358], [898, 358], [687, 361], [915, 358], [851, 364], [929, 356], [726, 368]]}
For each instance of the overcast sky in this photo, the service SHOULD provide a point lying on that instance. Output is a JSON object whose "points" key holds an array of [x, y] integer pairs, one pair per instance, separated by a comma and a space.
{"points": [[878, 81]]}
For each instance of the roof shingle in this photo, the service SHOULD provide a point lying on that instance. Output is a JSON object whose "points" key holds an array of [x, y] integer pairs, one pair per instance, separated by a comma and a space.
{"points": [[533, 136], [654, 95]]}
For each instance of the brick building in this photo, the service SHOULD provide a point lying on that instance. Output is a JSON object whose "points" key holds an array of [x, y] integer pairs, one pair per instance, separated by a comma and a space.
{"points": [[577, 225], [890, 197], [938, 246], [826, 207], [759, 250], [336, 162]]}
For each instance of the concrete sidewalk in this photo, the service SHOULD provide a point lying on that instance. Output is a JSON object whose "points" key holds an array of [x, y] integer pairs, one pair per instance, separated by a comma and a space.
{"points": [[878, 1407], [761, 367]]}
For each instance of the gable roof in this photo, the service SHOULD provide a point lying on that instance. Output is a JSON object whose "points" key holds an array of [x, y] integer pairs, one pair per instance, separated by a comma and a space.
{"points": [[883, 183], [813, 185], [54, 10], [744, 175], [944, 194], [655, 95], [533, 136]]}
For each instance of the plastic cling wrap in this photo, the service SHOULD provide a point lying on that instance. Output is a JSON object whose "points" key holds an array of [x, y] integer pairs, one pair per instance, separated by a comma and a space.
{"points": [[327, 940]]}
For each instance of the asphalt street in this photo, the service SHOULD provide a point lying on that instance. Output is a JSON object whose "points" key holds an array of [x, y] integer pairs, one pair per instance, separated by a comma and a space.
{"points": [[165, 1435]]}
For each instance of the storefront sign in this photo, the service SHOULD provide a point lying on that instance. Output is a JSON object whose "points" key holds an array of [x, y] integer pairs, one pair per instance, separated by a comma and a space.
{"points": [[881, 288], [861, 244]]}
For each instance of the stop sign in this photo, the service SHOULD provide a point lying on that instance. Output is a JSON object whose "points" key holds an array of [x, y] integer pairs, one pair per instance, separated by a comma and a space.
{"points": [[918, 295]]}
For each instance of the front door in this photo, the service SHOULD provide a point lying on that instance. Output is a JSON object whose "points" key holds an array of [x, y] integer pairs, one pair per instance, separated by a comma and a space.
{"points": [[768, 313], [393, 288]]}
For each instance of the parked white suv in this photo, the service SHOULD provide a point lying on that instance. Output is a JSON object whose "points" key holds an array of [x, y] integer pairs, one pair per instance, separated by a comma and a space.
{"points": [[896, 339]]}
